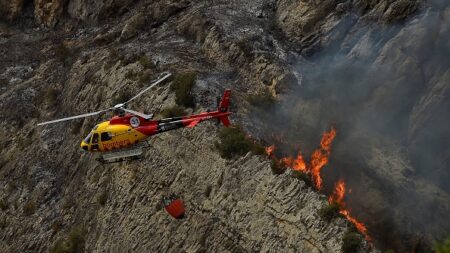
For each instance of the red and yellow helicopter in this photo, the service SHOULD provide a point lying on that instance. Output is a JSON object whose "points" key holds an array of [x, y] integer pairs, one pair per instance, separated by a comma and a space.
{"points": [[119, 137]]}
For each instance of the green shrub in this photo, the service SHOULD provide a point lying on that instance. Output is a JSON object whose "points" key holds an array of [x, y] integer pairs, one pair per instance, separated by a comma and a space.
{"points": [[257, 148], [56, 226], [4, 204], [146, 62], [29, 208], [208, 191], [51, 96], [114, 53], [122, 96], [68, 203], [263, 100], [233, 141], [174, 111], [182, 85], [303, 176], [3, 160], [23, 142], [329, 212], [351, 242], [277, 167], [144, 77], [3, 223], [102, 197], [73, 244], [76, 126], [131, 75], [62, 52], [128, 59], [442, 247]]}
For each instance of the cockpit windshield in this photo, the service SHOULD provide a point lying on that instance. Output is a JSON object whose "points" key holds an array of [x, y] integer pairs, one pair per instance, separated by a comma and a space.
{"points": [[88, 138]]}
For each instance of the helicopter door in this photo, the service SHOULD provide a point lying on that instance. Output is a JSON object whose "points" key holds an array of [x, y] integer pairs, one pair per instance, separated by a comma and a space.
{"points": [[94, 145]]}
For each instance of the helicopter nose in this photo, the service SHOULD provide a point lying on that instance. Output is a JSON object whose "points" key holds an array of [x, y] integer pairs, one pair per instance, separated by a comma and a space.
{"points": [[84, 146]]}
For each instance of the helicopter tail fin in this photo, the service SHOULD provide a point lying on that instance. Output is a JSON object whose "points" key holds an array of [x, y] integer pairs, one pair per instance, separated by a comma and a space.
{"points": [[223, 107], [225, 120], [225, 101]]}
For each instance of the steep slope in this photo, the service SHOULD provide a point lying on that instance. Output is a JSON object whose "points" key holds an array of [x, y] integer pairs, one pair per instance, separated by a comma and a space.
{"points": [[61, 58], [53, 192]]}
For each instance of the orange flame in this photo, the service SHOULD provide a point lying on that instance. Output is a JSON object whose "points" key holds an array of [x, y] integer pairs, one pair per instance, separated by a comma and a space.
{"points": [[327, 139], [299, 163], [338, 198], [269, 150], [319, 159], [320, 156]]}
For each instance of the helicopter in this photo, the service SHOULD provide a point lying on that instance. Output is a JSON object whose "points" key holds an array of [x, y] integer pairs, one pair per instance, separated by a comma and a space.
{"points": [[120, 137]]}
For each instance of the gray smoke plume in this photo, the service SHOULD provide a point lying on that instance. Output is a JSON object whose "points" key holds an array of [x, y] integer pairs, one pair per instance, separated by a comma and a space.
{"points": [[387, 91]]}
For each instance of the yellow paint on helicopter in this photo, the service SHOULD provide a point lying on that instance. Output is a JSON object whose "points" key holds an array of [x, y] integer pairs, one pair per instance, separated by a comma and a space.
{"points": [[106, 137]]}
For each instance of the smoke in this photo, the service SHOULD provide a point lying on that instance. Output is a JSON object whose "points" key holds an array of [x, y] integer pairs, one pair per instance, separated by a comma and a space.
{"points": [[387, 91]]}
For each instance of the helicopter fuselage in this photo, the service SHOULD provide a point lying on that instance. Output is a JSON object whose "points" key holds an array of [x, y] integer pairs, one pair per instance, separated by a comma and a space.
{"points": [[128, 130]]}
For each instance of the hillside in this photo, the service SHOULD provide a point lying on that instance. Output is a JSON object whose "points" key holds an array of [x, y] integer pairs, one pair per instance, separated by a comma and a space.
{"points": [[376, 70]]}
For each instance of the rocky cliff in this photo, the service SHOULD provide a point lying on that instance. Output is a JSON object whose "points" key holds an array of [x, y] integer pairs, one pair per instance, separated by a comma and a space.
{"points": [[61, 58]]}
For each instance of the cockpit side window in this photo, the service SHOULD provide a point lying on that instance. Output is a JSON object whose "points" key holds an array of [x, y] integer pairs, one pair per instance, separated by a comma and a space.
{"points": [[95, 139], [88, 138], [106, 136]]}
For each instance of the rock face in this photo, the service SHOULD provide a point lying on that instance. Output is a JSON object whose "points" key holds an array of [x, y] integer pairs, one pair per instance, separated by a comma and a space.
{"points": [[393, 127], [47, 12], [92, 11], [10, 9], [232, 205], [51, 192]]}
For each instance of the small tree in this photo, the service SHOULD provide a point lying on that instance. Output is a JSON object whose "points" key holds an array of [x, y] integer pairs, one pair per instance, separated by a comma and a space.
{"points": [[73, 244], [182, 85], [29, 208], [443, 247], [263, 100], [277, 167], [304, 177], [329, 212], [174, 111], [146, 62], [351, 242], [233, 141]]}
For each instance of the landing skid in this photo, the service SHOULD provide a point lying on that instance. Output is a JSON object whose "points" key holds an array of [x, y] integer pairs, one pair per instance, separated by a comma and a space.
{"points": [[134, 153]]}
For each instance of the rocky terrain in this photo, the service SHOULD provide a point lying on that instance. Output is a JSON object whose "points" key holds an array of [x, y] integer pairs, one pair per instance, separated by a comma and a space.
{"points": [[60, 58]]}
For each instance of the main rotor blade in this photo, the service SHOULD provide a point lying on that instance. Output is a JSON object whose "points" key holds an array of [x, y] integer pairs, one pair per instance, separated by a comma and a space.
{"points": [[73, 117], [149, 87], [145, 116]]}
